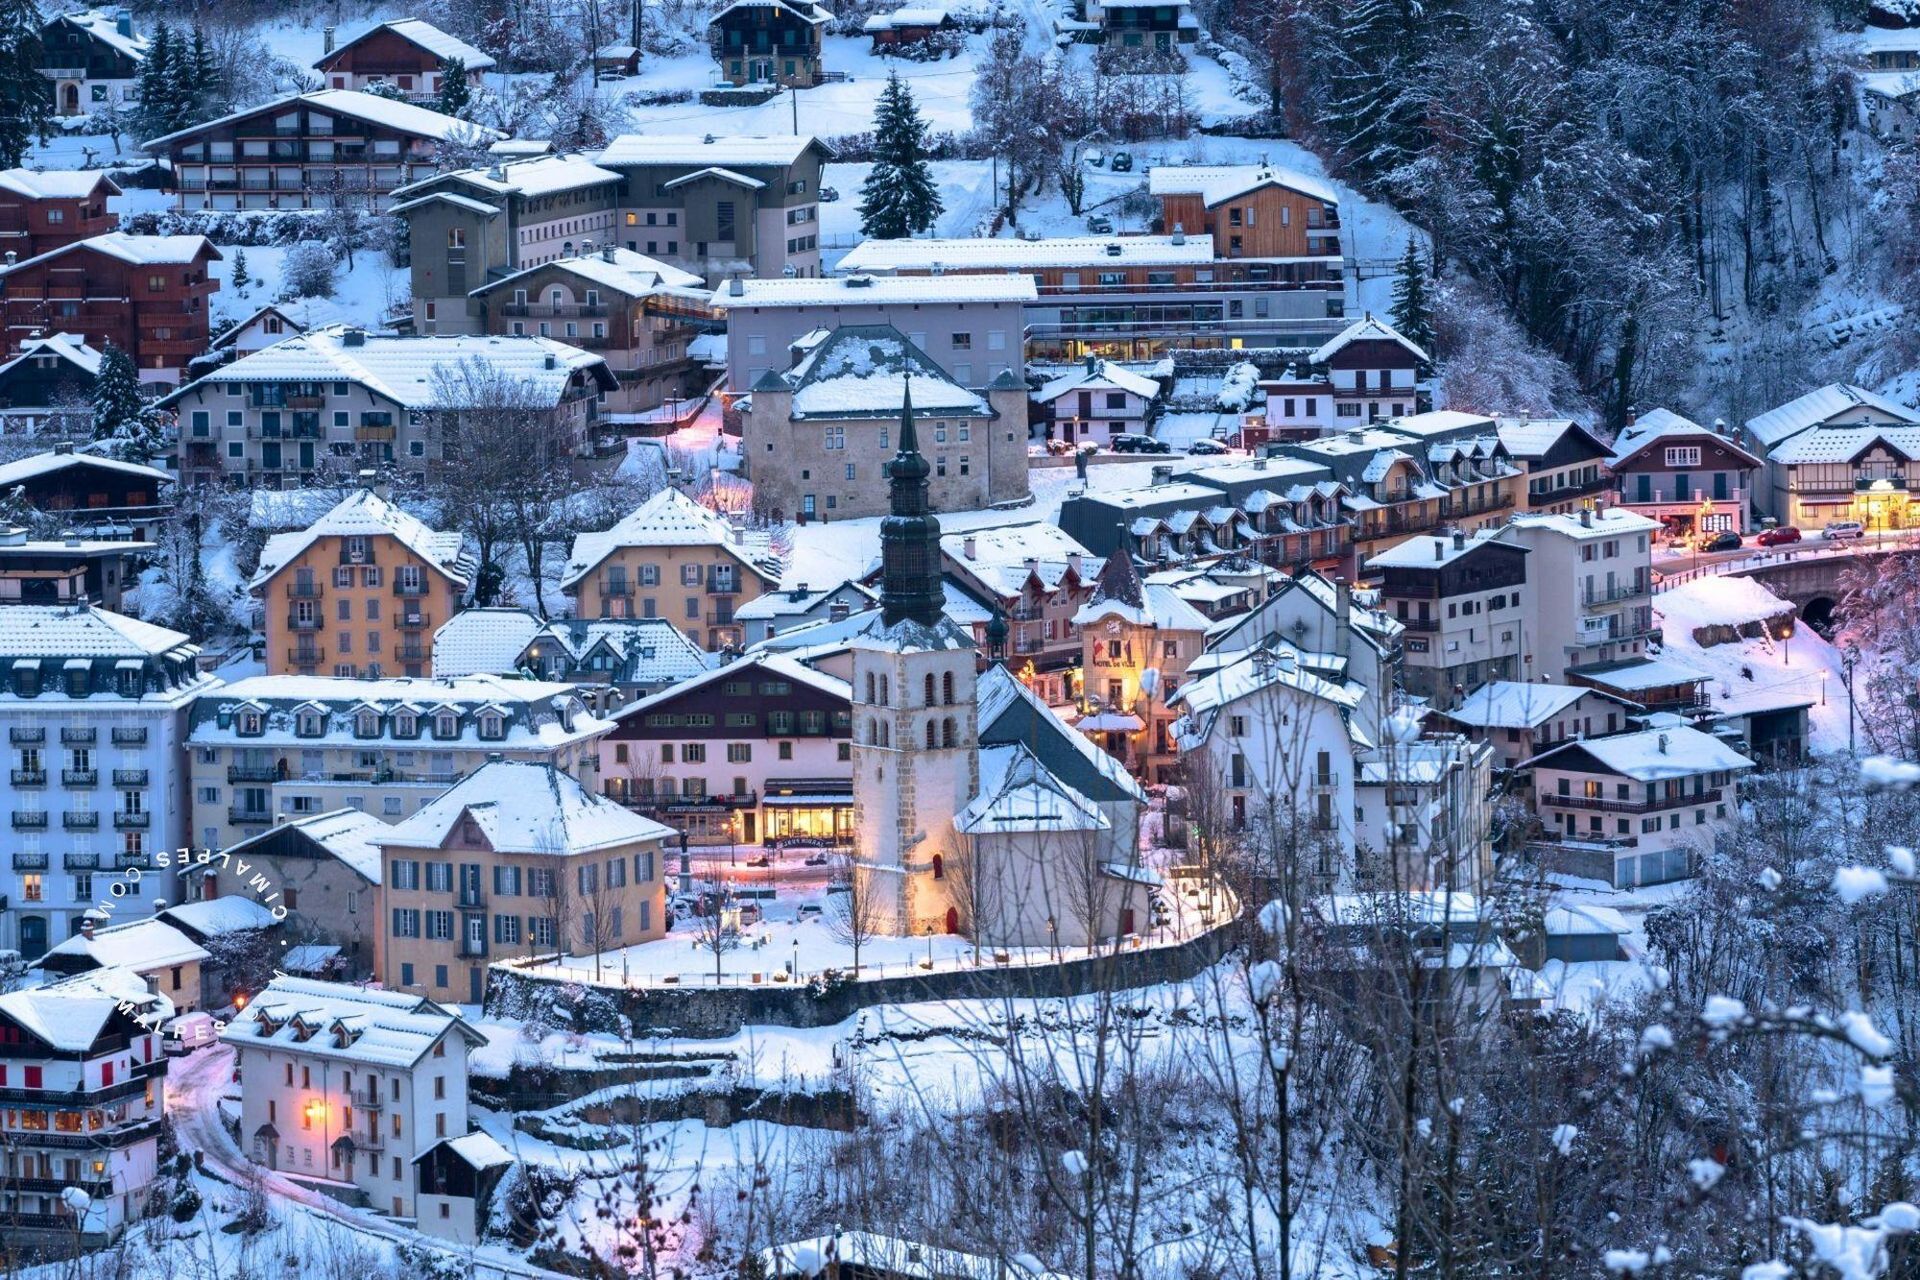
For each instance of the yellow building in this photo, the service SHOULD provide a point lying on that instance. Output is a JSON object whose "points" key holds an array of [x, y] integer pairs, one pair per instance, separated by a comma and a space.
{"points": [[674, 559], [517, 860], [360, 592], [1136, 640]]}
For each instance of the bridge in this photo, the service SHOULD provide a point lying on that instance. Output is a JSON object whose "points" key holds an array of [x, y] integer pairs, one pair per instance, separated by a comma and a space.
{"points": [[1809, 577]]}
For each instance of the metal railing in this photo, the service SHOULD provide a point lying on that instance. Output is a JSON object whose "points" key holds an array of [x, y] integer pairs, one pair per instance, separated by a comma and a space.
{"points": [[1609, 804], [73, 820]]}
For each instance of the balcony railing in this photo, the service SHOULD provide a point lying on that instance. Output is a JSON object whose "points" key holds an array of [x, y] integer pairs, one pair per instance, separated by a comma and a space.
{"points": [[76, 820], [126, 820], [402, 587], [306, 657], [26, 735], [410, 619], [616, 587], [249, 817], [29, 862], [297, 623], [135, 736], [80, 861], [29, 777], [252, 773], [79, 777], [81, 737], [304, 590], [23, 821], [129, 777], [548, 310], [1605, 594], [1615, 805]]}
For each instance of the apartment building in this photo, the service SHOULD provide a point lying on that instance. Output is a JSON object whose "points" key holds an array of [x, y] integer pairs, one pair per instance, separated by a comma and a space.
{"points": [[1520, 720], [972, 326], [147, 295], [1421, 812], [1035, 578], [1462, 600], [85, 1086], [721, 205], [1865, 472], [1565, 464], [1589, 588], [359, 592], [609, 660], [407, 55], [310, 151], [1140, 26], [330, 404], [1132, 297], [670, 558], [96, 709], [802, 605], [639, 313], [90, 494], [815, 438], [349, 1084], [1136, 642], [516, 860], [326, 869], [1640, 806], [1348, 637], [46, 209], [93, 60], [1692, 479], [270, 748], [769, 42]]}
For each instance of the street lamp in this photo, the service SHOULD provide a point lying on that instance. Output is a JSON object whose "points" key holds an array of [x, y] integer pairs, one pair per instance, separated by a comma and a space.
{"points": [[1848, 657]]}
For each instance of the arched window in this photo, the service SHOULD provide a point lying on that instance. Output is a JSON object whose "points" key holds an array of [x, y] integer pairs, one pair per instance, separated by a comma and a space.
{"points": [[886, 735], [886, 698], [930, 741], [929, 688], [939, 867], [946, 688], [869, 686], [946, 732]]}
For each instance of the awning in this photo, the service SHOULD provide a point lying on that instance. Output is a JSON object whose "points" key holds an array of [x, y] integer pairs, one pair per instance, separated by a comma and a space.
{"points": [[1110, 722], [130, 664], [807, 801], [26, 664], [79, 664]]}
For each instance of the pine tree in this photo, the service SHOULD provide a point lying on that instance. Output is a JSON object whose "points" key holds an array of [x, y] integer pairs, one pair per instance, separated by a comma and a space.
{"points": [[899, 197], [240, 277], [180, 88], [455, 93], [26, 105], [1412, 309], [116, 394], [204, 103], [156, 83]]}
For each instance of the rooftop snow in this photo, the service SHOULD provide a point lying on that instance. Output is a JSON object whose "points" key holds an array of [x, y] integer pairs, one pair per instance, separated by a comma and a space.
{"points": [[139, 251], [483, 641], [211, 917], [1431, 551], [142, 946], [983, 254], [1663, 424], [104, 26], [1844, 444], [402, 117], [1366, 329], [56, 631], [364, 514], [1818, 406], [1650, 755], [905, 18], [355, 1024], [302, 313], [346, 834], [1611, 522], [1214, 183], [1019, 794], [827, 291], [701, 150], [1638, 675], [668, 519], [69, 1015], [531, 178], [1105, 373], [1725, 600], [634, 275], [1515, 704], [525, 808], [65, 346], [1532, 437], [55, 184], [425, 35], [865, 369], [777, 665]]}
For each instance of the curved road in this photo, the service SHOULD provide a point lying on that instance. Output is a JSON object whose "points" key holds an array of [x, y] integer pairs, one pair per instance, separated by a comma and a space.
{"points": [[194, 1086]]}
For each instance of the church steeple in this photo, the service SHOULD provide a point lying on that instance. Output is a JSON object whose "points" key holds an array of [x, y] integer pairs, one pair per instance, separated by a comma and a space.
{"points": [[910, 587]]}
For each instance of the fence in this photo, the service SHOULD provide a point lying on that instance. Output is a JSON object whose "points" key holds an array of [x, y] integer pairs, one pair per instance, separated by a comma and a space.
{"points": [[1895, 541]]}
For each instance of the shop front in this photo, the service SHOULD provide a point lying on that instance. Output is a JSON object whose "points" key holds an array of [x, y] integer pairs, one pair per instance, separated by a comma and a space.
{"points": [[808, 812]]}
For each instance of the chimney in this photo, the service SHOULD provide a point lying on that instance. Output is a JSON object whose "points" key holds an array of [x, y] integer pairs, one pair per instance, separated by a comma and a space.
{"points": [[86, 926], [326, 40], [1074, 562], [606, 252], [551, 362], [736, 287], [12, 257], [1093, 363], [123, 22], [1586, 517], [1459, 539], [1633, 414], [1439, 548], [968, 547], [1719, 426], [1179, 234], [64, 446], [1663, 744], [1342, 615], [353, 337]]}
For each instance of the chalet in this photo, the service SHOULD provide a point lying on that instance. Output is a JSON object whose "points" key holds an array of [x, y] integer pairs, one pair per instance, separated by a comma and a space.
{"points": [[1565, 464], [801, 605], [412, 56], [1694, 480], [1521, 720], [67, 570], [43, 209], [48, 387], [93, 60], [310, 151], [93, 495], [768, 42], [276, 322], [608, 660], [1097, 401], [1283, 220], [1866, 472], [639, 313], [1837, 404], [915, 26], [147, 295], [1156, 26], [1374, 372]]}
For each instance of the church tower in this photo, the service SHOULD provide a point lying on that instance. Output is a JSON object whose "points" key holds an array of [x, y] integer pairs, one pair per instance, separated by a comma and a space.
{"points": [[915, 723]]}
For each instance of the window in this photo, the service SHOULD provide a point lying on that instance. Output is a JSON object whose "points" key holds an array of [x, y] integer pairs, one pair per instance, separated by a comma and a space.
{"points": [[837, 439], [1683, 455]]}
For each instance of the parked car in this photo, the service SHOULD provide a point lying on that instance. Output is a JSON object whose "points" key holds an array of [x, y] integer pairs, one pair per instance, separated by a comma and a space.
{"points": [[1123, 162], [1095, 159], [1779, 536], [829, 194], [758, 860], [1725, 540], [1840, 530], [1100, 224], [807, 911], [188, 1032], [1127, 442], [1206, 447], [818, 859]]}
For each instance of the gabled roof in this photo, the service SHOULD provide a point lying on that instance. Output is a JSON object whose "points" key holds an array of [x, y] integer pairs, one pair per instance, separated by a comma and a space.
{"points": [[668, 519], [916, 17], [719, 173], [215, 917], [369, 108], [862, 370], [454, 198], [1434, 550], [1663, 425], [1821, 405], [58, 631], [353, 1024], [528, 809], [67, 347], [702, 149], [488, 640], [1649, 755], [770, 664], [364, 514], [630, 274], [1535, 437], [478, 1150], [141, 945], [423, 35], [1018, 793], [56, 184], [1847, 443], [69, 1015], [1103, 373], [303, 314], [1364, 330], [1215, 183], [808, 12], [1516, 704], [345, 834], [529, 178], [139, 251], [103, 25], [1010, 713]]}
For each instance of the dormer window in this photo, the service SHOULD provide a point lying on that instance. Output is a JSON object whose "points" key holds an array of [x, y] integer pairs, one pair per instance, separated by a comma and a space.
{"points": [[250, 723], [356, 550], [366, 723], [309, 723], [492, 726], [446, 725], [406, 725]]}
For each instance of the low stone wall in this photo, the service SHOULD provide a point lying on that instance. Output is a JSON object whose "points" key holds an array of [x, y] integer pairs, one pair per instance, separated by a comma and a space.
{"points": [[698, 1012]]}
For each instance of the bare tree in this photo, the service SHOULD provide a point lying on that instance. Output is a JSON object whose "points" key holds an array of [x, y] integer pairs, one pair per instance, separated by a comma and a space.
{"points": [[716, 927], [856, 914]]}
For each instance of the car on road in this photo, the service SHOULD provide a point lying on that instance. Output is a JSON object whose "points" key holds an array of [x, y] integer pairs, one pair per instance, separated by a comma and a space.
{"points": [[1100, 225], [1206, 447], [1127, 442], [1779, 536], [1122, 162], [188, 1032], [828, 195], [1841, 530], [807, 911], [1725, 540], [818, 859], [759, 860]]}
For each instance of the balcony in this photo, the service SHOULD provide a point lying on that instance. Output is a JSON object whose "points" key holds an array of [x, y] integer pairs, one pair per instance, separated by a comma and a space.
{"points": [[471, 948], [81, 737], [555, 311], [29, 862], [252, 773], [249, 817], [1615, 805], [727, 586], [618, 588], [1604, 594], [130, 861], [471, 897], [306, 657], [80, 861], [304, 590], [82, 778], [297, 623], [411, 619], [129, 777], [412, 653], [29, 777], [367, 1098], [416, 588], [135, 736], [1420, 624], [29, 821], [375, 434], [126, 820], [20, 736], [80, 820], [1027, 612], [1459, 506], [370, 1139]]}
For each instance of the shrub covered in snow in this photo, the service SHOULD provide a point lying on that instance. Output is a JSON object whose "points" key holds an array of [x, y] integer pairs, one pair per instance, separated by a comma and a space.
{"points": [[1236, 393]]}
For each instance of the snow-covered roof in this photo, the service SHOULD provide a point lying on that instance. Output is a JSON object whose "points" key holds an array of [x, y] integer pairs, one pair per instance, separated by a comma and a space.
{"points": [[1515, 704], [56, 184], [1366, 329], [983, 254], [798, 601], [878, 291], [927, 17], [453, 198], [668, 519], [631, 274], [490, 640], [139, 251], [1433, 550], [535, 711], [703, 149], [863, 371], [525, 808], [1162, 607], [1214, 183], [1436, 423], [1532, 437], [1664, 424], [302, 314], [1610, 522], [142, 946], [806, 10], [1567, 918], [70, 347], [866, 1253], [213, 917], [1650, 755], [370, 108], [778, 666], [1007, 706], [69, 1015], [1821, 405], [59, 631], [531, 178], [719, 173], [364, 514], [104, 26], [403, 369], [426, 36], [346, 834], [650, 650], [1255, 672], [1018, 793], [345, 1023], [479, 1150], [1845, 443], [1636, 675], [1889, 84], [1103, 373]]}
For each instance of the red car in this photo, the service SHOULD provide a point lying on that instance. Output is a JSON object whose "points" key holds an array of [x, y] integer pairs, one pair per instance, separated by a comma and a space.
{"points": [[1779, 537]]}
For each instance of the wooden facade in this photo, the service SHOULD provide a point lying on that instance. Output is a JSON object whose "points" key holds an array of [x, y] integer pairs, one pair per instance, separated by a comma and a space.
{"points": [[386, 56], [1269, 221], [146, 295], [33, 222], [769, 42]]}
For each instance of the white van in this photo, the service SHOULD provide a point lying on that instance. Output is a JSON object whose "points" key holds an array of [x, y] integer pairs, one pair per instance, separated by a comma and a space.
{"points": [[1840, 530], [188, 1032]]}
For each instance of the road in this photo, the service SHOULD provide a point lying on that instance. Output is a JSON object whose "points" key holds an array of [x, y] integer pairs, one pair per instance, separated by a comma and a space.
{"points": [[195, 1084], [1680, 566]]}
